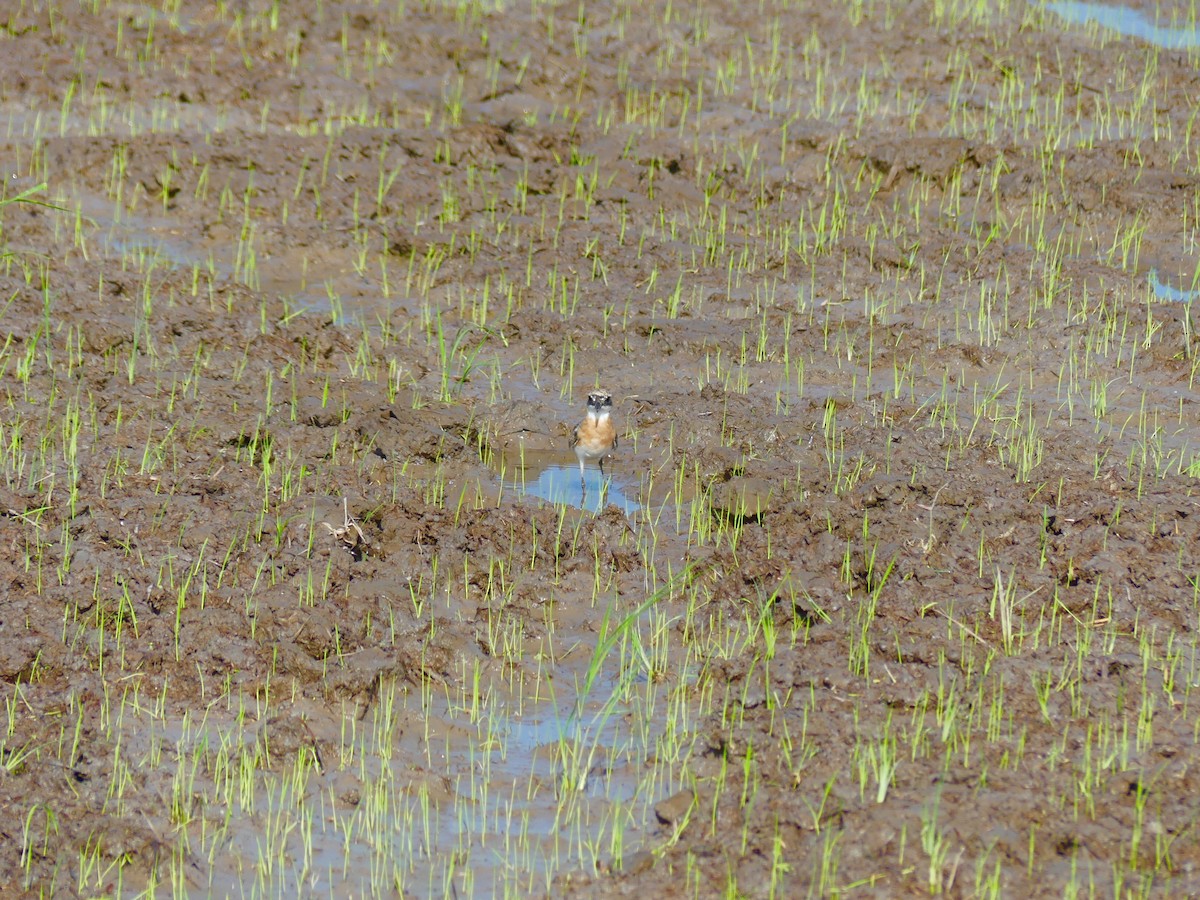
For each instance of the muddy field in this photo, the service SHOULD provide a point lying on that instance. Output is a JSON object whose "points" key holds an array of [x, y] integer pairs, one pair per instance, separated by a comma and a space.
{"points": [[891, 588]]}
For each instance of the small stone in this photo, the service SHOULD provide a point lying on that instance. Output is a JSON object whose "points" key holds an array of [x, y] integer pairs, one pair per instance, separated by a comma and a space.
{"points": [[674, 808], [637, 863]]}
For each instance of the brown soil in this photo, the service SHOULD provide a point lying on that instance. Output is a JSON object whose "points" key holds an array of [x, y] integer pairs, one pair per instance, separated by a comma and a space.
{"points": [[872, 297]]}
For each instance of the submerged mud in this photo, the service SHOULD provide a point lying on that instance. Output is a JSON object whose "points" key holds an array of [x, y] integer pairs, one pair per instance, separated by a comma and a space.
{"points": [[893, 588]]}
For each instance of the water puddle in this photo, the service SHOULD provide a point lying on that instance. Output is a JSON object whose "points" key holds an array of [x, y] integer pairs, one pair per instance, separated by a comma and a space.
{"points": [[1165, 291], [309, 277], [1128, 22], [427, 793], [561, 788], [546, 475]]}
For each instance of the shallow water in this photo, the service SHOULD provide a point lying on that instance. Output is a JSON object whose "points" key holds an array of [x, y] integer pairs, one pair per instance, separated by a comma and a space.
{"points": [[891, 586], [532, 475], [1129, 22]]}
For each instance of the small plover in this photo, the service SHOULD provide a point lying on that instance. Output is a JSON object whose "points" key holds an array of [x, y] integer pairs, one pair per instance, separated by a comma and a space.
{"points": [[595, 436]]}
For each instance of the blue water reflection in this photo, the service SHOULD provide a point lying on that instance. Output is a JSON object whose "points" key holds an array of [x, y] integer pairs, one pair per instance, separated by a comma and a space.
{"points": [[545, 475], [1165, 292], [1128, 22]]}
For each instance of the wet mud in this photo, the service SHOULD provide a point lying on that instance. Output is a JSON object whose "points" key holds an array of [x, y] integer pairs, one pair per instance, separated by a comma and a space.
{"points": [[892, 587]]}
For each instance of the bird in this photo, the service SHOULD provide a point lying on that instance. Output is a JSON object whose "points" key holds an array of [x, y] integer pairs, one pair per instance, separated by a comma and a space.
{"points": [[595, 436]]}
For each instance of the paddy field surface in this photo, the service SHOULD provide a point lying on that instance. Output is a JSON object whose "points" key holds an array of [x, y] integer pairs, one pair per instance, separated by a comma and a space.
{"points": [[890, 587]]}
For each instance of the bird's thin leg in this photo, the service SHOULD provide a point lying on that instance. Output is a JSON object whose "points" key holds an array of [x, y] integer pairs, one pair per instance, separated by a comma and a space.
{"points": [[582, 482], [602, 475]]}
